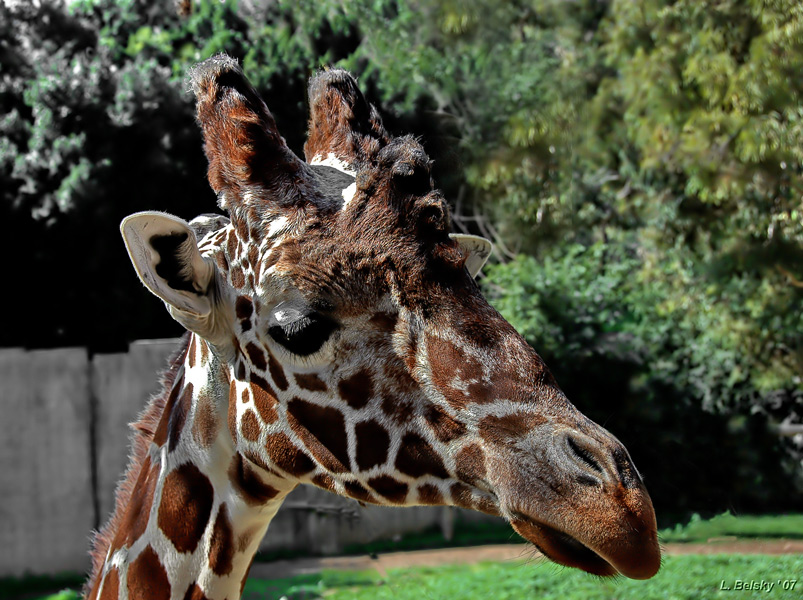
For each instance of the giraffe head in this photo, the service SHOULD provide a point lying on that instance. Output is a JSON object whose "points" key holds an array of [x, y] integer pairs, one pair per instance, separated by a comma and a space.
{"points": [[360, 354]]}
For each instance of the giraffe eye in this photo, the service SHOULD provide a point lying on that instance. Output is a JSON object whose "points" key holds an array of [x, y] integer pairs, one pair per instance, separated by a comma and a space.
{"points": [[300, 329]]}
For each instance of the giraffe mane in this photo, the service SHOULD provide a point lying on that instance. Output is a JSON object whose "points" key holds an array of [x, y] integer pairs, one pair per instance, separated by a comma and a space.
{"points": [[143, 430]]}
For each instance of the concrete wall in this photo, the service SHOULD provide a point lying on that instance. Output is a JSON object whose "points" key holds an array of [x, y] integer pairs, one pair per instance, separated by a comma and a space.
{"points": [[64, 446], [46, 491]]}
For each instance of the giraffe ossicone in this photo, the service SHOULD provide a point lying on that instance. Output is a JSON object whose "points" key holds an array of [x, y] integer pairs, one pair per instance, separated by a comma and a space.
{"points": [[336, 337]]}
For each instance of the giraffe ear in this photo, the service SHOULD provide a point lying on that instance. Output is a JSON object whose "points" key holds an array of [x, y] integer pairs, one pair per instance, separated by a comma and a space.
{"points": [[476, 249], [343, 127], [165, 254]]}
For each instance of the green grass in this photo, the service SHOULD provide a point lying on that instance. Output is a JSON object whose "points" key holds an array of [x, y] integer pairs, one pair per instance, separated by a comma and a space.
{"points": [[681, 577], [686, 577], [743, 526]]}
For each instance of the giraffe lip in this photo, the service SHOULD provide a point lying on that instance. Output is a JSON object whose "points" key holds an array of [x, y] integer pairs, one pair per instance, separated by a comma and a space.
{"points": [[560, 547]]}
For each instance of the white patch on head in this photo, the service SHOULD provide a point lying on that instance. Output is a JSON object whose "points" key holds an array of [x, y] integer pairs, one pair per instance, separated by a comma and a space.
{"points": [[333, 161], [277, 226], [349, 193]]}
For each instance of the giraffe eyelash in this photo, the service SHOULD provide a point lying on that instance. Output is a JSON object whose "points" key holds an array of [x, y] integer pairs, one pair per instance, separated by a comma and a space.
{"points": [[299, 329]]}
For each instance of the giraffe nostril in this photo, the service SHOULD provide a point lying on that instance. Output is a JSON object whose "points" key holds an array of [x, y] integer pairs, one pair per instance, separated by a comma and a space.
{"points": [[628, 474], [584, 455]]}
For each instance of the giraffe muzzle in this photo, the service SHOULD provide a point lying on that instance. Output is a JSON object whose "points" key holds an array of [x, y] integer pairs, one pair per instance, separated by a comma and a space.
{"points": [[580, 500]]}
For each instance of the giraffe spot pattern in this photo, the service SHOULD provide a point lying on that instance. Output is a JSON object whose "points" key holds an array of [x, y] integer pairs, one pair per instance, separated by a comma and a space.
{"points": [[396, 373], [160, 435], [508, 428], [256, 355], [323, 431], [285, 455], [136, 516], [206, 424], [273, 258], [248, 483], [231, 245], [222, 262], [244, 308], [447, 361], [277, 373], [392, 489], [241, 226], [264, 400], [204, 351], [373, 443], [178, 416], [111, 585], [147, 579], [397, 408], [445, 427], [470, 464], [249, 425], [461, 495], [357, 389], [417, 458], [221, 552], [310, 382], [253, 255], [237, 277], [322, 480], [185, 506], [259, 460], [232, 412], [356, 490], [429, 494], [191, 353]]}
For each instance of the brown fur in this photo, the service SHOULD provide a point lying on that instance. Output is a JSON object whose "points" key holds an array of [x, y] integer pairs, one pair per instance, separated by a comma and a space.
{"points": [[147, 578], [221, 553], [373, 444], [341, 121], [389, 487], [323, 432], [144, 429], [185, 506], [246, 481]]}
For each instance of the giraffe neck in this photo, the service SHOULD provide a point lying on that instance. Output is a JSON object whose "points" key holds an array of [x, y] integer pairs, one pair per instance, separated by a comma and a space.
{"points": [[192, 511]]}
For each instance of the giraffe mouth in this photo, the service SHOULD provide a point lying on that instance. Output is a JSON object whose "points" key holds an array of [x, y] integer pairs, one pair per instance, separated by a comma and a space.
{"points": [[560, 547]]}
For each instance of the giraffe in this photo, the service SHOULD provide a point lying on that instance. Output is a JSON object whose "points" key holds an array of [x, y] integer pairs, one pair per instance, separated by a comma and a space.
{"points": [[336, 337]]}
